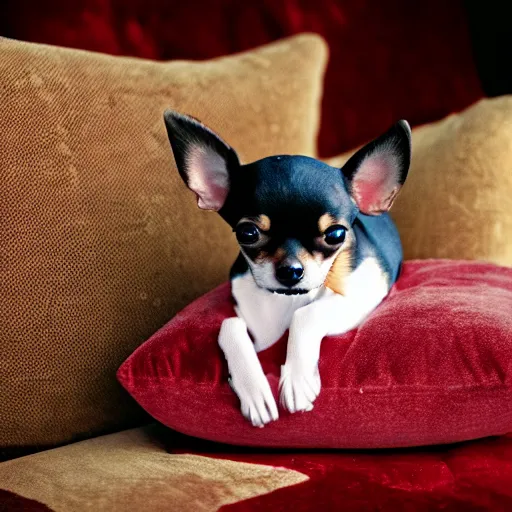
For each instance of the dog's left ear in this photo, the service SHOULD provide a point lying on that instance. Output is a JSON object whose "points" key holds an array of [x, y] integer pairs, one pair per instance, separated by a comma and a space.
{"points": [[376, 173], [205, 162]]}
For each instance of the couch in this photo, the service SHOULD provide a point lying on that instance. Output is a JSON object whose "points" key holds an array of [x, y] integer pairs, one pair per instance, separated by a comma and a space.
{"points": [[102, 248]]}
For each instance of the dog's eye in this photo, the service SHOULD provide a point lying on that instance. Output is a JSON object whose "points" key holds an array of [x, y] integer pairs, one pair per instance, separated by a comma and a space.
{"points": [[335, 235], [247, 233]]}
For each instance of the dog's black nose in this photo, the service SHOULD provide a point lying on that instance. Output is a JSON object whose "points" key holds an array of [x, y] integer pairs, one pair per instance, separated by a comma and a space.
{"points": [[289, 273]]}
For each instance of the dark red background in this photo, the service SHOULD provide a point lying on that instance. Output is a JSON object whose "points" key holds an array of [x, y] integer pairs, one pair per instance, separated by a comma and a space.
{"points": [[389, 59]]}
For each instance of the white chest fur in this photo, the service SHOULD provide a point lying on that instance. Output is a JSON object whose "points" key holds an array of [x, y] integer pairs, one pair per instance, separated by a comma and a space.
{"points": [[269, 315], [310, 318], [266, 314]]}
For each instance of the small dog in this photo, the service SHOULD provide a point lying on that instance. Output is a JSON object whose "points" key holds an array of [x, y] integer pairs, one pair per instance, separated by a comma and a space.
{"points": [[318, 251]]}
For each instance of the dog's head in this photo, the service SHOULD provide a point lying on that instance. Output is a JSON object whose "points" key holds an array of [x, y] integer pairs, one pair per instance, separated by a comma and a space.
{"points": [[292, 215]]}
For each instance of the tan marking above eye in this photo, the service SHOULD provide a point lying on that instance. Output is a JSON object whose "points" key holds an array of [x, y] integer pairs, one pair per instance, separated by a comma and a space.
{"points": [[325, 221], [262, 221]]}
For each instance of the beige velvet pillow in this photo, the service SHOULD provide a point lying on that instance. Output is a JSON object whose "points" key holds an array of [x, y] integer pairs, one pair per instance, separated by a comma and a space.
{"points": [[457, 200], [101, 243]]}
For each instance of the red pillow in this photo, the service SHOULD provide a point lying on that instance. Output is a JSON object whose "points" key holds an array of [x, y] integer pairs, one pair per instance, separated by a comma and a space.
{"points": [[432, 364]]}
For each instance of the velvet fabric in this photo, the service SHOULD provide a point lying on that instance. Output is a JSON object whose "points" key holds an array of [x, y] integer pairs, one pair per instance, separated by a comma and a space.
{"points": [[463, 477], [154, 469], [135, 471], [389, 60], [432, 364]]}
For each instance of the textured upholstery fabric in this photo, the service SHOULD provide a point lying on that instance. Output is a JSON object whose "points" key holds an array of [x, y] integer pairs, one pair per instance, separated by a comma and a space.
{"points": [[100, 241], [432, 364], [156, 469], [457, 202], [132, 471], [389, 59]]}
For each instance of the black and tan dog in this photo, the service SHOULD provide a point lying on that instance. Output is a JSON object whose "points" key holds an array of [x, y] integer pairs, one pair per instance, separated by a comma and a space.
{"points": [[318, 252]]}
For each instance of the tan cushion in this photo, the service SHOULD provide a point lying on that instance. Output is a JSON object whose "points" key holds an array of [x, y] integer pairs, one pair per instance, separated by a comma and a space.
{"points": [[457, 200], [132, 471], [100, 241]]}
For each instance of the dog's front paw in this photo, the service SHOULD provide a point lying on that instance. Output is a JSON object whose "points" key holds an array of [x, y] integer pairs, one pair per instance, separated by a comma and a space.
{"points": [[256, 399], [298, 387]]}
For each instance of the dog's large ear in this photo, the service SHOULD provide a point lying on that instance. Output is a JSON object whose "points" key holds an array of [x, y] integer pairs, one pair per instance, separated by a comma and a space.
{"points": [[204, 160], [376, 173]]}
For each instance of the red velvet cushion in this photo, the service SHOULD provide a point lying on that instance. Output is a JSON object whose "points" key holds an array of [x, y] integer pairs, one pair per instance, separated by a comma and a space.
{"points": [[433, 364]]}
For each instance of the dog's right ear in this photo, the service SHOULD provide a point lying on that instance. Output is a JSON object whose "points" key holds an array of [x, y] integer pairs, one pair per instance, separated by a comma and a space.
{"points": [[376, 173], [204, 160]]}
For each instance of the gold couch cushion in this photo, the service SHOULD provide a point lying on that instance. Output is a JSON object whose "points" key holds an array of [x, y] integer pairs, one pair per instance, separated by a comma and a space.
{"points": [[100, 241], [457, 200], [131, 470]]}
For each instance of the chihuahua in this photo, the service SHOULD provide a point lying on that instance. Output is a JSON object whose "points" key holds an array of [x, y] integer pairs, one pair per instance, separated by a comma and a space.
{"points": [[318, 251]]}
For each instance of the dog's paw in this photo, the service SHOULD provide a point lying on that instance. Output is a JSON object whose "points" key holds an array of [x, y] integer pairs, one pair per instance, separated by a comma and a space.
{"points": [[256, 400], [298, 387]]}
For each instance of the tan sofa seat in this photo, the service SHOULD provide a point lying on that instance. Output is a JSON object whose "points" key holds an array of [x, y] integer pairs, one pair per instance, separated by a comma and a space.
{"points": [[128, 470]]}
